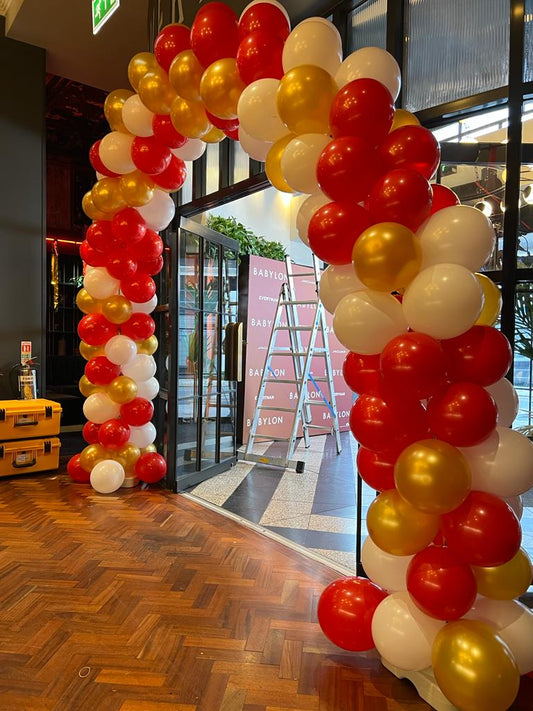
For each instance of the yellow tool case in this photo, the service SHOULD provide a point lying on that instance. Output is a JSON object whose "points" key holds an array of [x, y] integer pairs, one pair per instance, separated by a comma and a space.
{"points": [[20, 419], [29, 455]]}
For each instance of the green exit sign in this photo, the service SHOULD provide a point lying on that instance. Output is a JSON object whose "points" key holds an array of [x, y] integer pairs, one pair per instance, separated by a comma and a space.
{"points": [[102, 11]]}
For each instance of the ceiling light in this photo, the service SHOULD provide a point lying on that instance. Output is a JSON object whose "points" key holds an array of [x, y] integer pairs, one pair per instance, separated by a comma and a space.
{"points": [[527, 194]]}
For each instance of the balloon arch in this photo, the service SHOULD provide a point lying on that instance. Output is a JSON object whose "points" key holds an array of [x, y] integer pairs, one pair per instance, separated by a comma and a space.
{"points": [[434, 409]]}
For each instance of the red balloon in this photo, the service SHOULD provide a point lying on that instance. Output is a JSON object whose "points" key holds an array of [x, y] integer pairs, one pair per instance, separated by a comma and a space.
{"points": [[137, 412], [128, 226], [214, 33], [413, 364], [90, 432], [95, 329], [120, 265], [172, 40], [347, 169], [76, 471], [364, 108], [233, 134], [376, 468], [462, 414], [100, 236], [173, 177], [138, 327], [223, 124], [91, 256], [411, 147], [101, 371], [482, 355], [150, 467], [345, 612], [442, 197], [96, 161], [387, 425], [165, 132], [149, 155], [259, 57], [152, 267], [150, 247], [113, 434], [334, 229], [483, 530], [403, 196], [266, 17], [139, 289], [441, 584], [361, 373]]}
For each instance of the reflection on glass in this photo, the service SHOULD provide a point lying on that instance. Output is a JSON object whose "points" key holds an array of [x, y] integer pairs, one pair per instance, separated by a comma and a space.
{"points": [[186, 434], [369, 25], [241, 163], [212, 169], [208, 447], [523, 355]]}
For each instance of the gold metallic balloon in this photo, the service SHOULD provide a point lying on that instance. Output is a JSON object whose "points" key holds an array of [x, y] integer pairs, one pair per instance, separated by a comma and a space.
{"points": [[90, 209], [185, 74], [86, 303], [128, 455], [91, 455], [432, 476], [492, 304], [273, 164], [397, 527], [156, 93], [137, 188], [122, 389], [214, 135], [88, 352], [189, 118], [304, 98], [117, 308], [221, 87], [106, 195], [387, 256], [87, 388], [113, 104], [149, 448], [507, 581], [140, 64], [148, 346], [474, 667], [403, 118]]}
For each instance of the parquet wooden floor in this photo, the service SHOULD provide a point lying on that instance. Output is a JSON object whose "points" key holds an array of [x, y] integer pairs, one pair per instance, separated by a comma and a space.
{"points": [[144, 601]]}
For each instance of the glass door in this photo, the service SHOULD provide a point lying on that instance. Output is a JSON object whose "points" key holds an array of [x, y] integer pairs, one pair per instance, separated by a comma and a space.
{"points": [[201, 396]]}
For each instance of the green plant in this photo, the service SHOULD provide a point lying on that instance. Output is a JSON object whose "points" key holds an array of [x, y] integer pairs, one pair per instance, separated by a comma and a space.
{"points": [[249, 243]]}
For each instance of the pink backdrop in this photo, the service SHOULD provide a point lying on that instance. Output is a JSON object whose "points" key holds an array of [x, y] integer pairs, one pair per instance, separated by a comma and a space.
{"points": [[265, 280]]}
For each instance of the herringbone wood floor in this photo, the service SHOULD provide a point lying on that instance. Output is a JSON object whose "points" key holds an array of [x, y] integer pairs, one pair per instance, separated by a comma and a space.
{"points": [[144, 601]]}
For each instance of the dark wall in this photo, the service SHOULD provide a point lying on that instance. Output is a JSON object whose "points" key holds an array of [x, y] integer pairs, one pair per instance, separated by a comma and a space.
{"points": [[22, 229]]}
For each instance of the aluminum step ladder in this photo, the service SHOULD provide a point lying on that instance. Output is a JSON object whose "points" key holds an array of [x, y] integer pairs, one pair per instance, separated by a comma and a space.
{"points": [[301, 355]]}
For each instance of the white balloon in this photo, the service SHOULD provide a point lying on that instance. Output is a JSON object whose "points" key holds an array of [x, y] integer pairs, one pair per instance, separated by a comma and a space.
{"points": [[120, 349], [257, 112], [506, 399], [99, 283], [158, 213], [143, 436], [514, 624], [371, 63], [306, 211], [459, 234], [193, 149], [386, 570], [115, 152], [299, 161], [148, 389], [443, 301], [502, 464], [365, 321], [136, 117], [145, 308], [99, 407], [254, 147], [336, 282], [314, 41], [107, 476], [141, 367], [516, 503], [403, 634]]}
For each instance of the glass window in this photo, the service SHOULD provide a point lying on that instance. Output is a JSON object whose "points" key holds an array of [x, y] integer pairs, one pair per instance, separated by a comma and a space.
{"points": [[186, 189], [241, 163], [368, 24], [213, 169], [528, 41], [454, 49]]}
